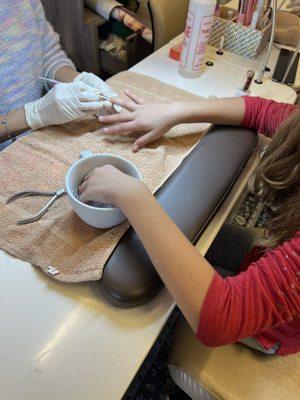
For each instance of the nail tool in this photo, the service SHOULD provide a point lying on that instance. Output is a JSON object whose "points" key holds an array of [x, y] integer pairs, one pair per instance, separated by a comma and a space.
{"points": [[54, 196]]}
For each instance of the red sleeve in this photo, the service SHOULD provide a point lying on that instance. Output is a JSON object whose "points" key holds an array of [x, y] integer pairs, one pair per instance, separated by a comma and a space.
{"points": [[265, 116], [264, 296]]}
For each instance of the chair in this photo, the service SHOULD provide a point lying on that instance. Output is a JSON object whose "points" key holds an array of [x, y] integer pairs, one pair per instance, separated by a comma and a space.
{"points": [[168, 19], [232, 372]]}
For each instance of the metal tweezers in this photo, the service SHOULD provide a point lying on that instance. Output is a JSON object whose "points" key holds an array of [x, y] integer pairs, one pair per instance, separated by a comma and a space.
{"points": [[55, 195]]}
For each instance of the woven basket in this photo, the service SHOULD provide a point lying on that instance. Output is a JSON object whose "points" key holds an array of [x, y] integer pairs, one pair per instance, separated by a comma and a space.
{"points": [[239, 39]]}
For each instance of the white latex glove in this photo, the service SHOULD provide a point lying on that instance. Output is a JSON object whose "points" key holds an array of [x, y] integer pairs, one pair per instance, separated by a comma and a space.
{"points": [[65, 102], [98, 84], [294, 7]]}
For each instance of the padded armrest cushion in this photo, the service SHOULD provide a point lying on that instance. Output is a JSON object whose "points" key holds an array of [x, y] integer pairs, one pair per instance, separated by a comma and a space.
{"points": [[191, 197]]}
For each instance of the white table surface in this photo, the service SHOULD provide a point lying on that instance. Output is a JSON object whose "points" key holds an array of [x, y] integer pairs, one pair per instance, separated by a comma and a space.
{"points": [[64, 341], [220, 80]]}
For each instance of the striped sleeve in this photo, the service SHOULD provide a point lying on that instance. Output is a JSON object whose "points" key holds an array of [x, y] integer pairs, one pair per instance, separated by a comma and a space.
{"points": [[54, 57]]}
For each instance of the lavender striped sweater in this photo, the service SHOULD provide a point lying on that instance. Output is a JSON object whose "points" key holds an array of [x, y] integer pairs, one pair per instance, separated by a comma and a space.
{"points": [[28, 48]]}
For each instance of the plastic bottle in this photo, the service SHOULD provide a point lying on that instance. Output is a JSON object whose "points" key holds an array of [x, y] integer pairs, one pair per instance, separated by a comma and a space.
{"points": [[198, 24]]}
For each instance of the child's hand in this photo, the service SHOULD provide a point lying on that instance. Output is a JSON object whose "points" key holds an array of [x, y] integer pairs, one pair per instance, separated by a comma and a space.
{"points": [[108, 185], [147, 121]]}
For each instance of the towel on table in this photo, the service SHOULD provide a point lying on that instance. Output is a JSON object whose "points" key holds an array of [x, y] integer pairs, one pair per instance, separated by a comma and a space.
{"points": [[40, 161]]}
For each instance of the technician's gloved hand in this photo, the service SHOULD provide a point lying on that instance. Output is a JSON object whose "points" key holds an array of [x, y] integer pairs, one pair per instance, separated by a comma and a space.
{"points": [[294, 6], [65, 102], [98, 84]]}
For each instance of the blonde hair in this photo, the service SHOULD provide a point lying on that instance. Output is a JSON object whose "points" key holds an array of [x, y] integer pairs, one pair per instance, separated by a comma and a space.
{"points": [[277, 182]]}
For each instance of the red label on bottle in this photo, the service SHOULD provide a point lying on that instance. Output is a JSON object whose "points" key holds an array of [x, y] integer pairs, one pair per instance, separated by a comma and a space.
{"points": [[187, 38], [202, 42]]}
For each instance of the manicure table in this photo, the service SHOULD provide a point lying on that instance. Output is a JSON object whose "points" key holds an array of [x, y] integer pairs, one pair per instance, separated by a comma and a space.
{"points": [[67, 341]]}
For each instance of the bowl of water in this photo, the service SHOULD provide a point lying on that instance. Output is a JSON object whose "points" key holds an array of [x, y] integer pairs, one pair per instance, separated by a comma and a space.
{"points": [[96, 214]]}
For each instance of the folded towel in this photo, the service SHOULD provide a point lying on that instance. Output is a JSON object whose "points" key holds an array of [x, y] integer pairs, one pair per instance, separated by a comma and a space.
{"points": [[74, 251]]}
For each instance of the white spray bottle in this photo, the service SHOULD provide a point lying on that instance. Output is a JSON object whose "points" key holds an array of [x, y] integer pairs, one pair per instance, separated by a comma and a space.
{"points": [[198, 24]]}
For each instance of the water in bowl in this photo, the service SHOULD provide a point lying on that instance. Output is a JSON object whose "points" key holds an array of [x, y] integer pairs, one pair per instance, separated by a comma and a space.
{"points": [[96, 204]]}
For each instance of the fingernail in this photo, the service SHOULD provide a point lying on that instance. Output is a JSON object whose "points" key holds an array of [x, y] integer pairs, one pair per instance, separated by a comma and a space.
{"points": [[117, 108], [135, 148], [100, 118]]}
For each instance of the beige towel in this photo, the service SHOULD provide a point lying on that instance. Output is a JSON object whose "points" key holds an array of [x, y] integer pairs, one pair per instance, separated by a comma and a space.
{"points": [[40, 161]]}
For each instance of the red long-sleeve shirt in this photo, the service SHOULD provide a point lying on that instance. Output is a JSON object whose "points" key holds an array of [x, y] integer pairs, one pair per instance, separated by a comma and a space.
{"points": [[263, 301]]}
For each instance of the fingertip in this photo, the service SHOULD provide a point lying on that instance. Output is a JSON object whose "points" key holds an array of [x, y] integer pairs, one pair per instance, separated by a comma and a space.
{"points": [[135, 148]]}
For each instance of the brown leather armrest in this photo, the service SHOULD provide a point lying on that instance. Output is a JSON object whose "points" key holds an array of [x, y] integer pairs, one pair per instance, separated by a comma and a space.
{"points": [[191, 197]]}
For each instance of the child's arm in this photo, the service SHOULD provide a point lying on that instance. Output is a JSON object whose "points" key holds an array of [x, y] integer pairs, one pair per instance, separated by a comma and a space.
{"points": [[151, 121], [265, 116], [186, 274], [266, 295]]}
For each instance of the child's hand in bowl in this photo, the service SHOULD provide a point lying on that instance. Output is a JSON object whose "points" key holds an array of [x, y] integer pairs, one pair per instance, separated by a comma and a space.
{"points": [[109, 185]]}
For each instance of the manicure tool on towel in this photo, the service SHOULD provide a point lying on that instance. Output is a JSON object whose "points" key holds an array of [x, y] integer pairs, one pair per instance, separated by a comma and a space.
{"points": [[54, 82], [55, 195]]}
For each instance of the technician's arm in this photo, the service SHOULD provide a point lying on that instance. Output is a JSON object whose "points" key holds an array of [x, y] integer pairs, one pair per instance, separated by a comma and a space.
{"points": [[64, 103], [66, 74], [16, 123]]}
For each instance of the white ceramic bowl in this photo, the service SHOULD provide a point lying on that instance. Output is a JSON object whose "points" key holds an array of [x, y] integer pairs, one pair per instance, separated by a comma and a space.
{"points": [[95, 216]]}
